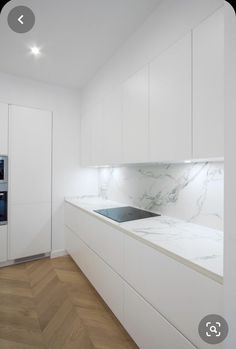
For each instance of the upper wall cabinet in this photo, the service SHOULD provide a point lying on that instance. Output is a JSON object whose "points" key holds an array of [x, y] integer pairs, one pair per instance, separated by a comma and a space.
{"points": [[170, 110], [96, 129], [135, 112], [85, 143], [208, 88], [3, 129], [170, 103], [113, 128]]}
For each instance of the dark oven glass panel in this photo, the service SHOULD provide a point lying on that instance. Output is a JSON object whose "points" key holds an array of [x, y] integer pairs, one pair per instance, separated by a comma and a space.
{"points": [[3, 207], [1, 169]]}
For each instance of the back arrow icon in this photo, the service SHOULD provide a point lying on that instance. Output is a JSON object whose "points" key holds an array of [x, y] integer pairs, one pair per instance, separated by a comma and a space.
{"points": [[20, 19]]}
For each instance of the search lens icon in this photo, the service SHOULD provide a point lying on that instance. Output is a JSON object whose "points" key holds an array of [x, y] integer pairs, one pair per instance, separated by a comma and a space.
{"points": [[213, 329]]}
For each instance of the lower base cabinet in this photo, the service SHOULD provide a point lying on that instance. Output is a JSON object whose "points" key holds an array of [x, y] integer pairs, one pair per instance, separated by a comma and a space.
{"points": [[148, 328], [107, 283], [3, 243], [145, 325], [158, 300]]}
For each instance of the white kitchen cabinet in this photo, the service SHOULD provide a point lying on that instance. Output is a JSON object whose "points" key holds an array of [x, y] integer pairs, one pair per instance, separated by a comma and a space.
{"points": [[108, 284], [135, 114], [85, 144], [170, 103], [96, 139], [30, 177], [101, 237], [147, 327], [182, 295], [3, 243], [208, 87], [3, 129], [113, 128], [159, 300]]}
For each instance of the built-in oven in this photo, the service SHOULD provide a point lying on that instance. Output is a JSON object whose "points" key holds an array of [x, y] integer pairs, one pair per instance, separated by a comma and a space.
{"points": [[3, 169], [3, 204]]}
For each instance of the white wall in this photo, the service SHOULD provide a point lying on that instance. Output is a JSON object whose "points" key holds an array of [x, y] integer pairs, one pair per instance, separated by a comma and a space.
{"points": [[64, 104], [168, 23]]}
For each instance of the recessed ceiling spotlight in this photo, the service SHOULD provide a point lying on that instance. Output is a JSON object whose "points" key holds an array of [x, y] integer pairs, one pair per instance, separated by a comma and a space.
{"points": [[36, 51]]}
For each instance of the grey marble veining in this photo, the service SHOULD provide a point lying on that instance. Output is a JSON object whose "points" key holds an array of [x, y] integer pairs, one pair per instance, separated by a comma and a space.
{"points": [[194, 245], [193, 192]]}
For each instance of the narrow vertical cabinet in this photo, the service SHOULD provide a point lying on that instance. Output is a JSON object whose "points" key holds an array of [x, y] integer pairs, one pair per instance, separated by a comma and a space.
{"points": [[170, 103], [3, 129], [91, 136], [96, 129], [102, 132], [30, 161], [135, 113], [85, 142], [208, 87], [113, 128]]}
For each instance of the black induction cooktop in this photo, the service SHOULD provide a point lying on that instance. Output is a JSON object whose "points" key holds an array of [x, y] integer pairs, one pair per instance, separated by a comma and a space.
{"points": [[125, 214]]}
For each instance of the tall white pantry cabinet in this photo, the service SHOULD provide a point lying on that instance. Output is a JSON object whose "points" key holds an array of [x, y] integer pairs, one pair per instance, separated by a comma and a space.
{"points": [[29, 181]]}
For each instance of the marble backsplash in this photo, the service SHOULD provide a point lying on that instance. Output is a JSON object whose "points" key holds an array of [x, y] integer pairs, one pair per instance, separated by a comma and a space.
{"points": [[193, 192]]}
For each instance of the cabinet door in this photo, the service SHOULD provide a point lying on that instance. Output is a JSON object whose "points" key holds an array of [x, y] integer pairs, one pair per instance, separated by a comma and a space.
{"points": [[3, 129], [97, 135], [113, 128], [135, 110], [29, 182], [85, 145], [169, 285], [108, 284], [208, 88], [105, 240], [3, 243], [170, 103], [147, 327]]}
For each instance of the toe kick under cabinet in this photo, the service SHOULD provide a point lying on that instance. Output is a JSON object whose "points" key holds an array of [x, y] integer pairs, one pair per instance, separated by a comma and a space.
{"points": [[159, 300]]}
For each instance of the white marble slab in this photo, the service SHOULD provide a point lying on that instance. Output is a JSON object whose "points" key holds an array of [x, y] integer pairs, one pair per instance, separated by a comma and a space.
{"points": [[194, 245], [193, 192]]}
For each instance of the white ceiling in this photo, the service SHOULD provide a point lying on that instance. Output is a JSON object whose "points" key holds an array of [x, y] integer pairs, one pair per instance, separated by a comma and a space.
{"points": [[77, 37]]}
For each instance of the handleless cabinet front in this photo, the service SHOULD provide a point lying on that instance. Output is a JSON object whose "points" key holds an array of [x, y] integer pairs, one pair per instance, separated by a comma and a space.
{"points": [[29, 181]]}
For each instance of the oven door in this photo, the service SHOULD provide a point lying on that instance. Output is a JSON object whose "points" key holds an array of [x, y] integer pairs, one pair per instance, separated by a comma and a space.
{"points": [[3, 207]]}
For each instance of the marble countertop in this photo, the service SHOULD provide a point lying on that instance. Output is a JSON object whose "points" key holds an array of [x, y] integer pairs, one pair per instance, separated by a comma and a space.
{"points": [[196, 246]]}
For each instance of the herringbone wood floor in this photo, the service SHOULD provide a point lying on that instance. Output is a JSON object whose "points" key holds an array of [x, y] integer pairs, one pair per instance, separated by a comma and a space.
{"points": [[50, 304]]}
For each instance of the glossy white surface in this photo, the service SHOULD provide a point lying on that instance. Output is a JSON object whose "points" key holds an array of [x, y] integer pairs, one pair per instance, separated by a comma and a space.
{"points": [[196, 246]]}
